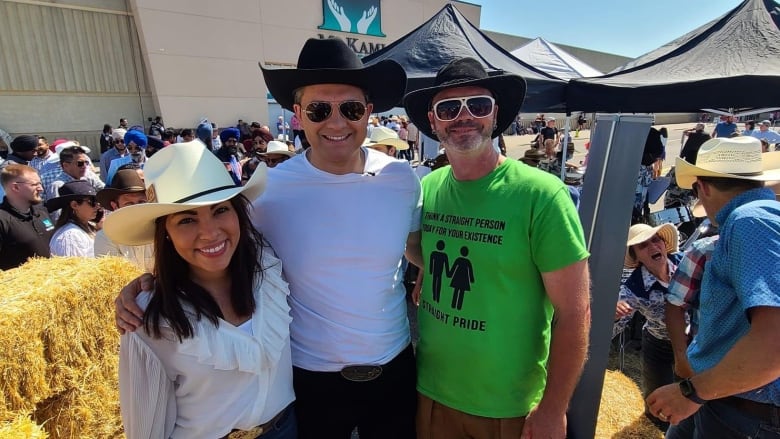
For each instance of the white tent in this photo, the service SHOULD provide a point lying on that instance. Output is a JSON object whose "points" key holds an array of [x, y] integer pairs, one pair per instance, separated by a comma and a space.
{"points": [[551, 59]]}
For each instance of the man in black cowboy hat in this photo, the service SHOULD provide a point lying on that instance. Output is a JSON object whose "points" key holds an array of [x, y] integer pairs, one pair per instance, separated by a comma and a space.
{"points": [[351, 347], [510, 243], [127, 189]]}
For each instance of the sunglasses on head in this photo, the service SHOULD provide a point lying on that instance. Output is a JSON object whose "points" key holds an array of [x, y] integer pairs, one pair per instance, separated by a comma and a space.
{"points": [[319, 111], [478, 106], [91, 201]]}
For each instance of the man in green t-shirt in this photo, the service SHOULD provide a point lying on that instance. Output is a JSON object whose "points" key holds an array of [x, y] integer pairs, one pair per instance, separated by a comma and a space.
{"points": [[504, 304]]}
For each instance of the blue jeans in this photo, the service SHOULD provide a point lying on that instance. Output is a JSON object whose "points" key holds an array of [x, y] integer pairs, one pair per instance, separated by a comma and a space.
{"points": [[716, 419], [284, 428]]}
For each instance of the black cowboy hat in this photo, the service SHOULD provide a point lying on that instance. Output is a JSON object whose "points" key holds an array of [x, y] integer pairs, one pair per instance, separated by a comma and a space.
{"points": [[507, 89], [331, 61], [126, 181], [71, 191]]}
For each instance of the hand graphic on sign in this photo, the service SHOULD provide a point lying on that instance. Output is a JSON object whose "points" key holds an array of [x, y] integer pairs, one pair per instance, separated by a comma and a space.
{"points": [[366, 20], [341, 17]]}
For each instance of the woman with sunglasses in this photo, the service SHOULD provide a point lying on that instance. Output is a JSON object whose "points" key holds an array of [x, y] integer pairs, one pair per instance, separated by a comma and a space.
{"points": [[212, 358], [74, 233], [652, 254]]}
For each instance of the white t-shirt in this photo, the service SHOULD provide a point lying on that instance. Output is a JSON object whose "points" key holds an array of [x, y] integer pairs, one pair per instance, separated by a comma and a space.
{"points": [[140, 255], [341, 238]]}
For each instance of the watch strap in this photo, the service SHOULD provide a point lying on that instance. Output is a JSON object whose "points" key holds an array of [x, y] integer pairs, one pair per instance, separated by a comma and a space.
{"points": [[689, 391]]}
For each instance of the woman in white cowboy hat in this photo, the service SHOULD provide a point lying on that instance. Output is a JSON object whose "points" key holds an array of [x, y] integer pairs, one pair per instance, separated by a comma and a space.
{"points": [[213, 357], [652, 253]]}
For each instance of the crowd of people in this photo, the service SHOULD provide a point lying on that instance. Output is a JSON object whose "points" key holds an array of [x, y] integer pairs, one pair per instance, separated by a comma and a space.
{"points": [[275, 306]]}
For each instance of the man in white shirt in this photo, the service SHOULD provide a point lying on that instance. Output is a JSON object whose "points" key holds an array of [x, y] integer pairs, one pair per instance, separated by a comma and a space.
{"points": [[764, 133], [351, 348], [127, 189]]}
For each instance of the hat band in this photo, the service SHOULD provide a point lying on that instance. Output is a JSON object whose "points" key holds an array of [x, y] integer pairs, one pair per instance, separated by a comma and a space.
{"points": [[210, 191]]}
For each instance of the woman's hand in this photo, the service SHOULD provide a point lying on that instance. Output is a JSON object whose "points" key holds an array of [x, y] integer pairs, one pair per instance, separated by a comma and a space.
{"points": [[623, 309]]}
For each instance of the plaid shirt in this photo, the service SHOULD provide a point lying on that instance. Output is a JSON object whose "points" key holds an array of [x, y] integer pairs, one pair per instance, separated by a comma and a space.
{"points": [[685, 285]]}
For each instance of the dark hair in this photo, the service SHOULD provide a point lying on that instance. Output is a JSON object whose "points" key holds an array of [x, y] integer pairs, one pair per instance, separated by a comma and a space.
{"points": [[732, 184], [106, 128], [131, 165], [70, 153], [187, 132], [173, 285], [298, 95], [68, 215]]}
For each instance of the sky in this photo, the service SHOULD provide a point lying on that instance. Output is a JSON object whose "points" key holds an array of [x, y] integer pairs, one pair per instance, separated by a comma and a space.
{"points": [[623, 27]]}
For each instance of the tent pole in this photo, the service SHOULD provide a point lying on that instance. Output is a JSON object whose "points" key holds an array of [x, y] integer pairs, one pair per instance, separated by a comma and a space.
{"points": [[564, 147]]}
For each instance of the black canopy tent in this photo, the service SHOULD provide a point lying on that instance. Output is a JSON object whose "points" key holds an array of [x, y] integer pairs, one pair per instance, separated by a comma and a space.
{"points": [[449, 35], [731, 62]]}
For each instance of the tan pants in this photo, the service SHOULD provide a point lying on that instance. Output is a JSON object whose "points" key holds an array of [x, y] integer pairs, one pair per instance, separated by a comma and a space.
{"points": [[437, 421], [549, 148]]}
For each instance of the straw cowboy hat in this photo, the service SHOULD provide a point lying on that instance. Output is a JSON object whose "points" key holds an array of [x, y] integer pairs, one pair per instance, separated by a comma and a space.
{"points": [[179, 177], [731, 157], [277, 147], [126, 181], [331, 61], [508, 91], [385, 136], [639, 233]]}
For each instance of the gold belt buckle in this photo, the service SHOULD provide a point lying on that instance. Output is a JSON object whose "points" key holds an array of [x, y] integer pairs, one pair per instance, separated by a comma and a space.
{"points": [[246, 434]]}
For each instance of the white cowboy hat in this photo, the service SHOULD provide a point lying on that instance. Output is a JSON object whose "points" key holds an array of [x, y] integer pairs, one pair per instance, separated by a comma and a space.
{"points": [[179, 177], [730, 157], [639, 233], [385, 136], [277, 147]]}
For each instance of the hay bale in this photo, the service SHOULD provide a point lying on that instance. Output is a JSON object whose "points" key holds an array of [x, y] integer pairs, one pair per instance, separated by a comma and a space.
{"points": [[22, 427], [57, 333], [622, 410]]}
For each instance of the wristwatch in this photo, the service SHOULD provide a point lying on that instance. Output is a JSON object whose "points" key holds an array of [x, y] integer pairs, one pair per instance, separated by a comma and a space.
{"points": [[688, 391]]}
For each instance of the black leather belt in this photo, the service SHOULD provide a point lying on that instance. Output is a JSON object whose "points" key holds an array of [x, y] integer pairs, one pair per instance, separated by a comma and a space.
{"points": [[361, 372], [752, 408]]}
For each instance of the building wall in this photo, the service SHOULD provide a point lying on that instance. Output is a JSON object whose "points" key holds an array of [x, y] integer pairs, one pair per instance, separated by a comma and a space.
{"points": [[203, 55], [67, 69]]}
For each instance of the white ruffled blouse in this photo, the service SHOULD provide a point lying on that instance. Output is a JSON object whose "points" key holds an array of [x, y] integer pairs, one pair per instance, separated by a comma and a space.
{"points": [[72, 240], [220, 379]]}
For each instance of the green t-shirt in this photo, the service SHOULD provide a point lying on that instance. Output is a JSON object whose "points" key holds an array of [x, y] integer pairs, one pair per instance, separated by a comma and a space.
{"points": [[484, 316]]}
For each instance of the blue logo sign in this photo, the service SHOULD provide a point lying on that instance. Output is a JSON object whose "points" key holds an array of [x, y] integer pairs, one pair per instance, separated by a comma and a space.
{"points": [[354, 16]]}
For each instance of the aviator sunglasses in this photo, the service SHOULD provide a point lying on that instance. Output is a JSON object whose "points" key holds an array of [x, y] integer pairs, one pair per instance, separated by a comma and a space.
{"points": [[319, 111], [449, 109]]}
